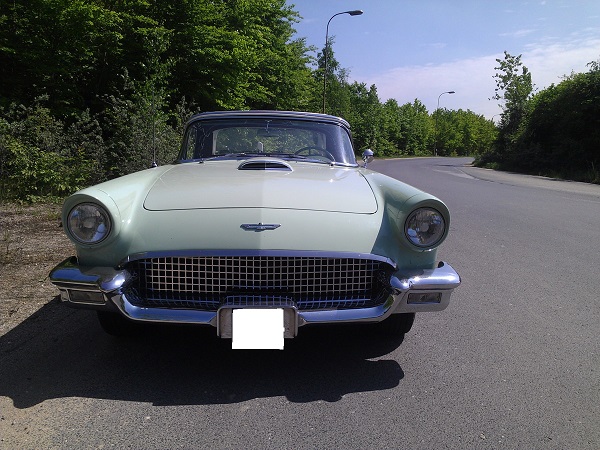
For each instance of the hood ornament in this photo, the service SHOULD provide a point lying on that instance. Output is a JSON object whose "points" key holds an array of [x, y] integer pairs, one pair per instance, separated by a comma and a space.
{"points": [[260, 226]]}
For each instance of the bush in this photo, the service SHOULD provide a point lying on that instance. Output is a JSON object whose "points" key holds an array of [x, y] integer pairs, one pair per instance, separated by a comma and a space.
{"points": [[41, 158], [557, 134]]}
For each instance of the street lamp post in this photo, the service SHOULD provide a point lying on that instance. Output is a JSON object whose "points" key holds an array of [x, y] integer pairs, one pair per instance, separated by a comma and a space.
{"points": [[356, 12], [436, 120]]}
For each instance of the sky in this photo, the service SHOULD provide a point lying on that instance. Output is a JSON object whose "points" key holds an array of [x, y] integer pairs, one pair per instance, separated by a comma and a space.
{"points": [[418, 49]]}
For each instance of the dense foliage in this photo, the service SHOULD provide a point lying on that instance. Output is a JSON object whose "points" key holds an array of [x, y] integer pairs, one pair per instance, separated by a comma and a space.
{"points": [[553, 132], [94, 89], [133, 69]]}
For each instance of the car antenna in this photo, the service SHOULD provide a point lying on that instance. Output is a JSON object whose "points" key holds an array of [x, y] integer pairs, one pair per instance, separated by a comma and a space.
{"points": [[154, 163]]}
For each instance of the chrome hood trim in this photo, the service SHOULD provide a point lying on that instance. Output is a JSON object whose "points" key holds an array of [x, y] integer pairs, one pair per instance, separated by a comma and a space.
{"points": [[263, 253]]}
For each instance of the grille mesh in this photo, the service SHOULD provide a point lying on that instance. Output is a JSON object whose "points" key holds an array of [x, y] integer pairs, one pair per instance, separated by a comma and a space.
{"points": [[207, 282]]}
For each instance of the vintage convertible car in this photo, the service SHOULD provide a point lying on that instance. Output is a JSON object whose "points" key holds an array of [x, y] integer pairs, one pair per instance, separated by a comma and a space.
{"points": [[265, 224]]}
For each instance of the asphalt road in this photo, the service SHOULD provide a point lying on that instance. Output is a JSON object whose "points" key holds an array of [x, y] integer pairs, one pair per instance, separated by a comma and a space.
{"points": [[514, 362]]}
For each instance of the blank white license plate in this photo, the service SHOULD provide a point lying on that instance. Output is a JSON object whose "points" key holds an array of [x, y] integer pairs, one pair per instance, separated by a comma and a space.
{"points": [[257, 329]]}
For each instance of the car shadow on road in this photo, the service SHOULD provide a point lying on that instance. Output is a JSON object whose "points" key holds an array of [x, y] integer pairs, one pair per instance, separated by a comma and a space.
{"points": [[62, 352]]}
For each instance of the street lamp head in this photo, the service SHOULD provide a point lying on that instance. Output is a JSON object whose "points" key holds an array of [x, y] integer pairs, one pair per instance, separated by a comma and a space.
{"points": [[450, 92], [354, 12]]}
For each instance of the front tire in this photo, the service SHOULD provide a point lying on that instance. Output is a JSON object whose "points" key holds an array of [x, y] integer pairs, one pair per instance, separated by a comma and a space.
{"points": [[397, 324], [116, 325]]}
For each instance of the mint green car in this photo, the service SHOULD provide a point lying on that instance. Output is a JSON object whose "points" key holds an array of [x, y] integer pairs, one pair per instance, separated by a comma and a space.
{"points": [[264, 225]]}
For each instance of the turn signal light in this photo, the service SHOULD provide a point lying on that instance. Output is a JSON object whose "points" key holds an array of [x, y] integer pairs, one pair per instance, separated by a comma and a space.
{"points": [[87, 297], [428, 297]]}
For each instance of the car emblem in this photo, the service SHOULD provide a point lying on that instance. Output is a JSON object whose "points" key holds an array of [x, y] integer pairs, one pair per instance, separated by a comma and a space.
{"points": [[260, 226]]}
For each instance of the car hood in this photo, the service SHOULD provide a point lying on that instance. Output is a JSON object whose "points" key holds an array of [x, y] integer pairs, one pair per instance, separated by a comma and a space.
{"points": [[261, 183]]}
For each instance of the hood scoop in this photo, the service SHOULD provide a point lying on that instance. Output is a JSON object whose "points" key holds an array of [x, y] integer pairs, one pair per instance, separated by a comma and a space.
{"points": [[265, 164]]}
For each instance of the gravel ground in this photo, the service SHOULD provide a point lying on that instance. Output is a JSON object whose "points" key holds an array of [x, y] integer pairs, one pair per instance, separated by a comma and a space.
{"points": [[31, 244]]}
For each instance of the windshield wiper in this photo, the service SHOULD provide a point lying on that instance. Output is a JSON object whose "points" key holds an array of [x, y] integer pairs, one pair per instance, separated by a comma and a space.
{"points": [[288, 155], [258, 154], [235, 155], [276, 155], [305, 158], [243, 154]]}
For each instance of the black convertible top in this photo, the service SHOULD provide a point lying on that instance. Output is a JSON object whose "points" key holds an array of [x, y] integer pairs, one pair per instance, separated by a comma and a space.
{"points": [[270, 114]]}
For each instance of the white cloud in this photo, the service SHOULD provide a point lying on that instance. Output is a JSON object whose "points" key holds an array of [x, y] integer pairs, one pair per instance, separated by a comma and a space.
{"points": [[435, 45], [518, 33], [472, 78], [550, 63]]}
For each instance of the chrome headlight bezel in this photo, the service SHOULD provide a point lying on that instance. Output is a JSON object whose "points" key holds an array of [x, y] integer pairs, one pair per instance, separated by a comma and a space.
{"points": [[425, 228], [89, 223]]}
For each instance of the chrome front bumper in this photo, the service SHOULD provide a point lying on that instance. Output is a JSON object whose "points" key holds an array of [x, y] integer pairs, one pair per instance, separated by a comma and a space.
{"points": [[102, 288]]}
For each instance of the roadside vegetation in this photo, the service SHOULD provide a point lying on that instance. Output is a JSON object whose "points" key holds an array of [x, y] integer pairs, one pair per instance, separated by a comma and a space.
{"points": [[554, 132], [93, 90]]}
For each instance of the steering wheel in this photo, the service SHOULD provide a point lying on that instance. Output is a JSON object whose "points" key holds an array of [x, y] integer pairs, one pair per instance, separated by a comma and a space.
{"points": [[314, 150]]}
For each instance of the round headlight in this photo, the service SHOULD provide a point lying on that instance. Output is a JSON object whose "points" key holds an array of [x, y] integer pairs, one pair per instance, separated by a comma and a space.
{"points": [[425, 227], [89, 223]]}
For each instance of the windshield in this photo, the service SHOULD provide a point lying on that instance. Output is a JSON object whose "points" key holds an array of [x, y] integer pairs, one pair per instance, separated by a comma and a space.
{"points": [[283, 138]]}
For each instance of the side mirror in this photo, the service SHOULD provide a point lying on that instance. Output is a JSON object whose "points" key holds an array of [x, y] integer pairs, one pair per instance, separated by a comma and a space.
{"points": [[367, 156]]}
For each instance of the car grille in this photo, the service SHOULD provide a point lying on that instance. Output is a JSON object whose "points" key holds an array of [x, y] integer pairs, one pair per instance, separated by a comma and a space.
{"points": [[209, 282]]}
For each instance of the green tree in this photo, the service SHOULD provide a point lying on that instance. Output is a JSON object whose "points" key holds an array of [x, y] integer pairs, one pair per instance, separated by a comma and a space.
{"points": [[554, 132], [562, 133], [462, 133], [236, 54], [365, 116], [415, 129], [63, 49], [336, 89], [220, 55], [143, 131], [391, 133], [513, 88]]}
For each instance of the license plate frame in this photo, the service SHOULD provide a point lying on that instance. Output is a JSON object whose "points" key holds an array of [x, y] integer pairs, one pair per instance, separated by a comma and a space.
{"points": [[257, 319]]}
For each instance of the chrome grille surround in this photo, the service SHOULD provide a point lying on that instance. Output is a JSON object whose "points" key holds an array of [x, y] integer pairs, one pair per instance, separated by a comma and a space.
{"points": [[304, 280]]}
